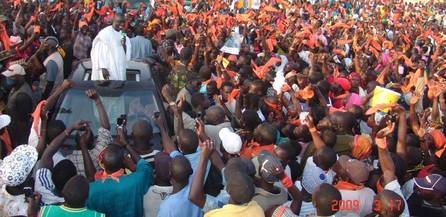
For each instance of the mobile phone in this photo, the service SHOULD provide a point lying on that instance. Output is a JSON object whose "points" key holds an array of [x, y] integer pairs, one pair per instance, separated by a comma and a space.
{"points": [[122, 120], [28, 192]]}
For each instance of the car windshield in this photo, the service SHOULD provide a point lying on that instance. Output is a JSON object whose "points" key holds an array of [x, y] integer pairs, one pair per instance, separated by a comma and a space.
{"points": [[136, 104]]}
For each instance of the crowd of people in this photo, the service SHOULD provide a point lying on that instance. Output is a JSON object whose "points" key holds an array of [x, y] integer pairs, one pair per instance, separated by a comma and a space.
{"points": [[273, 108]]}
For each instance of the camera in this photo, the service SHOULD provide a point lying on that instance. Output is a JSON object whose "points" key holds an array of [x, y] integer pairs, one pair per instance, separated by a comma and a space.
{"points": [[28, 192], [122, 120]]}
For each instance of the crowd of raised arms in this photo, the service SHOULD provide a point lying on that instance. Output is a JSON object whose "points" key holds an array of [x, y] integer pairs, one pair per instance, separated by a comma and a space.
{"points": [[266, 108]]}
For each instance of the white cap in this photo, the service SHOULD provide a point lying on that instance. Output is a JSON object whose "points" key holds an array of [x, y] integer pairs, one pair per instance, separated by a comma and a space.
{"points": [[5, 120], [14, 69], [231, 142]]}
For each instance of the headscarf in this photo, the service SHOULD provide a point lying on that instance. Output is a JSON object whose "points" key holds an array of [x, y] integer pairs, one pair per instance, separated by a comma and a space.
{"points": [[362, 146]]}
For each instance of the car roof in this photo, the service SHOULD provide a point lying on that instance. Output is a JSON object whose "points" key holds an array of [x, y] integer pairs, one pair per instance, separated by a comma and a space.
{"points": [[135, 69], [110, 85]]}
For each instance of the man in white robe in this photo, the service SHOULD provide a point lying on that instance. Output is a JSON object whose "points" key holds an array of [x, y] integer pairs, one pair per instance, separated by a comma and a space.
{"points": [[110, 52]]}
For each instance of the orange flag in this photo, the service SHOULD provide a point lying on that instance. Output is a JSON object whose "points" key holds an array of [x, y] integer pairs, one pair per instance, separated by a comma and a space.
{"points": [[242, 18], [91, 11], [381, 77], [263, 70], [57, 7], [271, 42], [4, 38], [284, 3]]}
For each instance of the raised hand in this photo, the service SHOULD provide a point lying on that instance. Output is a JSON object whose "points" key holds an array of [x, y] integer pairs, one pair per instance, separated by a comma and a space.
{"points": [[80, 125], [309, 121], [199, 127], [415, 98], [92, 94], [84, 137], [67, 84], [207, 149], [386, 130]]}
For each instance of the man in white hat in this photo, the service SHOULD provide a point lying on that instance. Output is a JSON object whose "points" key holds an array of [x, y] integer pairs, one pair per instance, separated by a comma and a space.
{"points": [[5, 140], [20, 102], [14, 175], [231, 144]]}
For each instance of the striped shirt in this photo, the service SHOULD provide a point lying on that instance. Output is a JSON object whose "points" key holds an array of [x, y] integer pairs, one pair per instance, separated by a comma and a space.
{"points": [[150, 157]]}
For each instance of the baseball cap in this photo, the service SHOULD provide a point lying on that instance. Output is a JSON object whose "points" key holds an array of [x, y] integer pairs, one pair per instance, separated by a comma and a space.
{"points": [[433, 182], [14, 69], [16, 167], [5, 120], [15, 40], [357, 170], [264, 162], [231, 142]]}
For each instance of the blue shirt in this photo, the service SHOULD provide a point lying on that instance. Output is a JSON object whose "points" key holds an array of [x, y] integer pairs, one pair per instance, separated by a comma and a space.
{"points": [[123, 198], [141, 47], [179, 205], [194, 160]]}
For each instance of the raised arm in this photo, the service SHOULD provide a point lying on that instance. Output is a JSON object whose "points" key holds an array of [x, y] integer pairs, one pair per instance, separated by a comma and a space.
{"points": [[178, 114], [196, 193], [286, 181], [220, 102], [317, 140], [83, 139], [51, 101], [121, 139], [42, 139], [402, 132], [385, 160], [436, 105], [415, 126], [168, 145], [92, 94], [47, 157]]}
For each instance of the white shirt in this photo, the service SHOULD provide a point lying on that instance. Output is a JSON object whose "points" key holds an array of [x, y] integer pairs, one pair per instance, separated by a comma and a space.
{"points": [[108, 53], [396, 187], [153, 198], [313, 176], [11, 205], [44, 186], [364, 198]]}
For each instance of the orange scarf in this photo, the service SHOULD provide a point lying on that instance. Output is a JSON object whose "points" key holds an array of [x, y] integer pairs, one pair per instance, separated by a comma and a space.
{"points": [[255, 148], [7, 141], [4, 38], [342, 185], [104, 175]]}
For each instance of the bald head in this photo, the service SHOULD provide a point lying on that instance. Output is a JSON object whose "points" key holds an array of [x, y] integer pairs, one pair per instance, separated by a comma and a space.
{"points": [[389, 204], [112, 158], [188, 141], [142, 133], [180, 170], [215, 115], [323, 199]]}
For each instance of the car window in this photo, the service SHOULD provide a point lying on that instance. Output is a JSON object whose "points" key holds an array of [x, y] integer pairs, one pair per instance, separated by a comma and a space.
{"points": [[136, 104]]}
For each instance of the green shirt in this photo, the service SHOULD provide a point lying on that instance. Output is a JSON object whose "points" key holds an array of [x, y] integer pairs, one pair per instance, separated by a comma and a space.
{"points": [[63, 211], [123, 198], [343, 144], [178, 77]]}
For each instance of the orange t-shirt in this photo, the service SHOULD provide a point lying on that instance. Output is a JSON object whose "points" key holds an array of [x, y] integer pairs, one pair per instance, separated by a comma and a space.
{"points": [[254, 149]]}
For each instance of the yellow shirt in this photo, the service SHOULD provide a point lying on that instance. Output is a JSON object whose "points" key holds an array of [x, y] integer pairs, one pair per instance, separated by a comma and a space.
{"points": [[251, 209]]}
